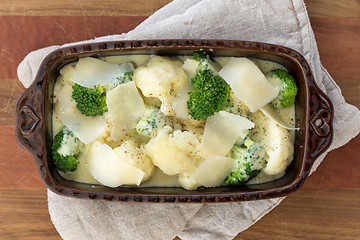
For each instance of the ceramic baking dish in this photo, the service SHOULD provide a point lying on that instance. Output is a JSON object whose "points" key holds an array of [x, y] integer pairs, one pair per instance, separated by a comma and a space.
{"points": [[314, 114]]}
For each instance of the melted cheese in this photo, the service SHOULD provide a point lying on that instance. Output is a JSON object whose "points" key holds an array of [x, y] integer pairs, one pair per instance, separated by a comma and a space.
{"points": [[248, 83], [270, 112], [190, 66], [110, 170], [180, 101], [277, 142], [125, 108], [137, 59], [213, 170], [91, 71], [221, 132]]}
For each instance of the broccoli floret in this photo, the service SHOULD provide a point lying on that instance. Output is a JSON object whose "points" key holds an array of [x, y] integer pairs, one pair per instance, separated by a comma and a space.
{"points": [[127, 72], [90, 101], [199, 55], [65, 149], [287, 85], [205, 62], [152, 121], [210, 92], [249, 158]]}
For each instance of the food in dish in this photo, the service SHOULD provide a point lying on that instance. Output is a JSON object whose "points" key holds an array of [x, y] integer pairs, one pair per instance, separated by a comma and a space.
{"points": [[186, 121]]}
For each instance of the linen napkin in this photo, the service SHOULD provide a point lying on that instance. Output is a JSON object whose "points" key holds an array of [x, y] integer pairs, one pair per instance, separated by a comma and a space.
{"points": [[283, 22]]}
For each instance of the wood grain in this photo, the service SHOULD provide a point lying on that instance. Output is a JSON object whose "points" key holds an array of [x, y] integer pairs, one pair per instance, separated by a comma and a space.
{"points": [[20, 35], [340, 169], [316, 8], [338, 42], [24, 215], [333, 214], [81, 7], [10, 90], [18, 168], [326, 8]]}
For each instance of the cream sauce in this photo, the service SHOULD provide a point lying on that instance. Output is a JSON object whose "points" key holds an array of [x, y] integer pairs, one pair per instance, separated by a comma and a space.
{"points": [[137, 59], [160, 179]]}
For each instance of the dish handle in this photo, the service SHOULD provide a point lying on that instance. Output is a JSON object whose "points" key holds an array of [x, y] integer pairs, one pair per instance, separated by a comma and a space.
{"points": [[29, 121], [320, 123]]}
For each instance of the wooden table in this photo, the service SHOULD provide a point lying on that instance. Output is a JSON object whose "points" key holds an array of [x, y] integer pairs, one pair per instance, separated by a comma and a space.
{"points": [[328, 205]]}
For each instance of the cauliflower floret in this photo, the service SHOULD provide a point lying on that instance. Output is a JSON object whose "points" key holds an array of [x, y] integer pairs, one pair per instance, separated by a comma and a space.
{"points": [[129, 152], [187, 180], [277, 143], [161, 78], [280, 153], [174, 153]]}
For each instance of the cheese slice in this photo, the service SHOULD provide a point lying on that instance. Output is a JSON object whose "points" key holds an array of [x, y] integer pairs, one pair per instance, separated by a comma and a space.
{"points": [[248, 83], [91, 71], [180, 101], [270, 112], [86, 128], [110, 170], [218, 166], [221, 132], [126, 107], [190, 66]]}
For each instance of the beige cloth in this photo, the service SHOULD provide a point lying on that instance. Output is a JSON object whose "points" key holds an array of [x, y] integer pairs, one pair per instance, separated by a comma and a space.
{"points": [[283, 22]]}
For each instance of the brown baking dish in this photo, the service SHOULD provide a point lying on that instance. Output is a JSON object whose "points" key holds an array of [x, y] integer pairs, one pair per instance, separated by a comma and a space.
{"points": [[314, 114]]}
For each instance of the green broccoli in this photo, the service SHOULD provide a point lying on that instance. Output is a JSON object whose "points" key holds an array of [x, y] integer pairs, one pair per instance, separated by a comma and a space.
{"points": [[200, 55], [250, 158], [90, 101], [210, 92], [127, 72], [287, 85], [65, 149], [152, 120], [205, 62]]}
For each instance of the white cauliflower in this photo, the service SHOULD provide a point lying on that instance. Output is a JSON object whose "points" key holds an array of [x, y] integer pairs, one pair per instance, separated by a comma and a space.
{"points": [[161, 78], [174, 153], [277, 143], [187, 180], [129, 152]]}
